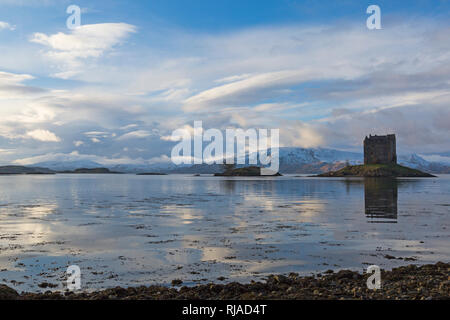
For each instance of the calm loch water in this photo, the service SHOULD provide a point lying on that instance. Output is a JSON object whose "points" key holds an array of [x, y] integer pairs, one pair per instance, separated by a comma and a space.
{"points": [[132, 230]]}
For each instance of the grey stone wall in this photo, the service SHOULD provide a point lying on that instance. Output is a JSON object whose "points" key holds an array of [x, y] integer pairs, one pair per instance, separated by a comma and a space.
{"points": [[380, 149]]}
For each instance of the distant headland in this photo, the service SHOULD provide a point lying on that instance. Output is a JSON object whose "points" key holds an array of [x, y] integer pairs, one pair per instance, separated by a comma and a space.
{"points": [[12, 170], [380, 160], [151, 174], [91, 171], [15, 170], [231, 171]]}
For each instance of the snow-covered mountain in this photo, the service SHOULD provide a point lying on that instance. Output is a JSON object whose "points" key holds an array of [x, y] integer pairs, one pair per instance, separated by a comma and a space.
{"points": [[301, 155], [67, 165], [417, 162], [318, 160], [412, 161], [139, 168], [292, 160], [322, 159]]}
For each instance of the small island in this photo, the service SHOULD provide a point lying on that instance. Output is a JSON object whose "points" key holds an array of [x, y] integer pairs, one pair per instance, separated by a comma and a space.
{"points": [[376, 170], [151, 174], [380, 160], [231, 171], [91, 171]]}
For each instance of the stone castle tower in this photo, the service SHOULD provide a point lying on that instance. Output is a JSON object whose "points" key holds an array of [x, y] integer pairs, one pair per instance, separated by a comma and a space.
{"points": [[380, 149]]}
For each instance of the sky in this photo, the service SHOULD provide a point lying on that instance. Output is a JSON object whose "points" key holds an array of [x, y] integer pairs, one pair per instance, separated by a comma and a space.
{"points": [[114, 89]]}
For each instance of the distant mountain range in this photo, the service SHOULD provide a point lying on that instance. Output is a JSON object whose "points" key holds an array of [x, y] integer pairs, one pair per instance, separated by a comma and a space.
{"points": [[292, 160], [67, 165]]}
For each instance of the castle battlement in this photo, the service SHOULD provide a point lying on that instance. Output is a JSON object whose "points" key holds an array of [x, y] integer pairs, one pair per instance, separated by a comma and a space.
{"points": [[380, 149]]}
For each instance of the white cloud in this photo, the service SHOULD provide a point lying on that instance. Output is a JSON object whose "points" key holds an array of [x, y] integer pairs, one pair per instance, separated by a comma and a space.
{"points": [[233, 78], [6, 26], [267, 63], [6, 151], [129, 126], [10, 78], [327, 86], [299, 134], [43, 135], [78, 143], [97, 133], [135, 134], [240, 90], [186, 131], [161, 159], [416, 126], [69, 50], [12, 86]]}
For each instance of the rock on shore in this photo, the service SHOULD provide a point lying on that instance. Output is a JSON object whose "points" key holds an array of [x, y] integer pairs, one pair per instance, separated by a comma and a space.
{"points": [[427, 282], [6, 293]]}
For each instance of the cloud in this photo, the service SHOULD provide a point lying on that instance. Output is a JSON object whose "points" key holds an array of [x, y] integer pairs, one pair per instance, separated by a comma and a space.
{"points": [[243, 90], [161, 159], [233, 78], [129, 126], [299, 134], [13, 78], [277, 61], [97, 133], [11, 85], [135, 134], [6, 26], [70, 50], [6, 151], [324, 85], [414, 125], [186, 131], [43, 135]]}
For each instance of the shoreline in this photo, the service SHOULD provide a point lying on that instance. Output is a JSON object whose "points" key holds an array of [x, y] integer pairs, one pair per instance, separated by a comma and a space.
{"points": [[412, 282]]}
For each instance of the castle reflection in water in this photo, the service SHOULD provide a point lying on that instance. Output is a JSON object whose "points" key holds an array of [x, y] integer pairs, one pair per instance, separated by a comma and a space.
{"points": [[380, 196]]}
